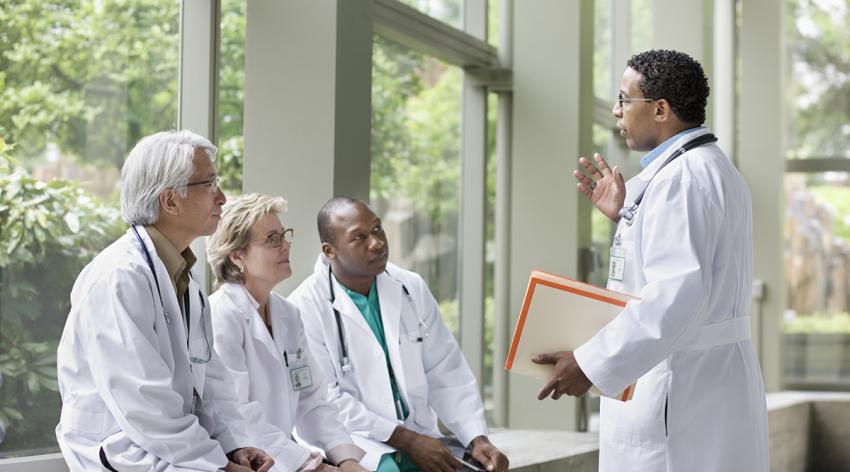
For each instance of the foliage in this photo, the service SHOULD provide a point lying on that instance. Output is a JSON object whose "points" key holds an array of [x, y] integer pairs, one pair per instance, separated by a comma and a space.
{"points": [[416, 131], [821, 323], [231, 95], [447, 11], [450, 309], [47, 233], [818, 37], [89, 77], [82, 80], [839, 199]]}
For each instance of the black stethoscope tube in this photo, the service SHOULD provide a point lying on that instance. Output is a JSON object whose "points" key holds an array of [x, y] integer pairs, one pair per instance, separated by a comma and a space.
{"points": [[149, 260], [345, 362], [628, 213]]}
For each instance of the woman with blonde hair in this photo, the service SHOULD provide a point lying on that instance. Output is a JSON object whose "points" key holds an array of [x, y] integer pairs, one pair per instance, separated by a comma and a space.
{"points": [[260, 338]]}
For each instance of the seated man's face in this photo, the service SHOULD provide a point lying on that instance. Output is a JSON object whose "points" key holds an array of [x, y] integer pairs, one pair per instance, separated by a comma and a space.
{"points": [[201, 208], [360, 245]]}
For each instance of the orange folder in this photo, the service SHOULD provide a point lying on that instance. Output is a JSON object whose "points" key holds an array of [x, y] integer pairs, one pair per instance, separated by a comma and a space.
{"points": [[561, 314]]}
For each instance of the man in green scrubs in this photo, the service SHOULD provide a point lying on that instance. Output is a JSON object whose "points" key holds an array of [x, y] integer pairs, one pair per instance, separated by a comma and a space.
{"points": [[394, 367]]}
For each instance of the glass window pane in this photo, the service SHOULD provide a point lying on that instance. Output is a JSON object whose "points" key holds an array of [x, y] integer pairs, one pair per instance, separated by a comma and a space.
{"points": [[415, 176], [490, 250], [818, 37], [602, 228], [817, 277], [641, 24], [78, 87], [447, 11], [493, 23], [602, 49], [231, 96]]}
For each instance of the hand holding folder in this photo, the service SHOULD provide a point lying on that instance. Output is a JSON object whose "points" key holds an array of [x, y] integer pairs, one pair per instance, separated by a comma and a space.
{"points": [[560, 314]]}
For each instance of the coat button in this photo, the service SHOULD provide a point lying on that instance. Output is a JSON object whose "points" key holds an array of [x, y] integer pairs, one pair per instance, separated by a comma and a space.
{"points": [[386, 399], [378, 355]]}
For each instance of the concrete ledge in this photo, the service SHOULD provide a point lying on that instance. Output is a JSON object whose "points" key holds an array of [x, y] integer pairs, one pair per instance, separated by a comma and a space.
{"points": [[41, 463], [548, 451], [809, 431]]}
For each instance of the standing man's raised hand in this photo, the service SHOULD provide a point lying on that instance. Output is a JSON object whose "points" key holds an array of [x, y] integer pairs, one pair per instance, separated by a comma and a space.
{"points": [[604, 187]]}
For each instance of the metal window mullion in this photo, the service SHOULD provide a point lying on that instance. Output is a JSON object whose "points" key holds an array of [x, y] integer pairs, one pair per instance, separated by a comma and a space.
{"points": [[198, 85], [419, 31], [602, 114], [502, 236], [818, 164], [617, 152], [473, 204]]}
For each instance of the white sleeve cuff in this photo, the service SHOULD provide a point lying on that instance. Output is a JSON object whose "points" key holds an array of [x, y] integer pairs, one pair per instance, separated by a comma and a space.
{"points": [[382, 429], [344, 452], [594, 369]]}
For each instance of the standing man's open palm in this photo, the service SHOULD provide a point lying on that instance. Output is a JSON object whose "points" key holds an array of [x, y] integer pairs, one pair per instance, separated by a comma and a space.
{"points": [[604, 187]]}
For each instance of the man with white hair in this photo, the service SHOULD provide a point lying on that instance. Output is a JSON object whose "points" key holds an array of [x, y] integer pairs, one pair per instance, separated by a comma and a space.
{"points": [[142, 389]]}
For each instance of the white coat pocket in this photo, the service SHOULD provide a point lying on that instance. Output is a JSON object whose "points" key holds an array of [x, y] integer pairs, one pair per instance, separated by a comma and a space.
{"points": [[86, 422], [410, 347]]}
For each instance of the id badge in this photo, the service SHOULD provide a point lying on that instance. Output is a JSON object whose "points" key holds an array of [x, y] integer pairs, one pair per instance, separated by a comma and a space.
{"points": [[301, 377], [617, 264]]}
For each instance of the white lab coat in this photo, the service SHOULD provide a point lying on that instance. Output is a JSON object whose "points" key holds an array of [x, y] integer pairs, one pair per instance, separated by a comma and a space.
{"points": [[431, 372], [267, 398], [125, 374], [699, 403]]}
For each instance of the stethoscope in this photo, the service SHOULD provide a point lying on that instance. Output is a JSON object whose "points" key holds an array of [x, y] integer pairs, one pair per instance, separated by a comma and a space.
{"points": [[344, 360], [628, 213], [208, 349]]}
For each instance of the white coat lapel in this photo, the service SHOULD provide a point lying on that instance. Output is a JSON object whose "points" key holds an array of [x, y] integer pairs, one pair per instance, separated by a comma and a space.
{"points": [[281, 331], [179, 360], [390, 296], [349, 311], [257, 329], [200, 347]]}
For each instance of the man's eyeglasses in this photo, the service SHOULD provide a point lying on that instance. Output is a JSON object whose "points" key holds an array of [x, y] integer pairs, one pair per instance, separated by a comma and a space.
{"points": [[276, 239], [621, 100], [211, 184]]}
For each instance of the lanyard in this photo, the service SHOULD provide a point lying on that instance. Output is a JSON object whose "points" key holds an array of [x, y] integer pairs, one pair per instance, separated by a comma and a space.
{"points": [[628, 213]]}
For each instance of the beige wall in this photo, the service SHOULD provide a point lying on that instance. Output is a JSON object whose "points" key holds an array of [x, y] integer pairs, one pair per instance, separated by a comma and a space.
{"points": [[550, 129], [307, 110]]}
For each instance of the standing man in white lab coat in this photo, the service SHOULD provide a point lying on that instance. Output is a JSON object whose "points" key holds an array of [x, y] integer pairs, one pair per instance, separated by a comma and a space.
{"points": [[142, 388], [684, 246], [394, 366]]}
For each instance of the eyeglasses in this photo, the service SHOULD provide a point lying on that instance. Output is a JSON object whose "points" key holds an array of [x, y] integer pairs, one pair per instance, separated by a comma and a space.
{"points": [[276, 239], [211, 184], [621, 100]]}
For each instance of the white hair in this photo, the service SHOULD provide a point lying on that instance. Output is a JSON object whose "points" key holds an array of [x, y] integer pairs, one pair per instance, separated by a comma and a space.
{"points": [[157, 162]]}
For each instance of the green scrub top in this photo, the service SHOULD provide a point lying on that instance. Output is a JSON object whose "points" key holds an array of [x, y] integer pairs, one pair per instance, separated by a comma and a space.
{"points": [[370, 308]]}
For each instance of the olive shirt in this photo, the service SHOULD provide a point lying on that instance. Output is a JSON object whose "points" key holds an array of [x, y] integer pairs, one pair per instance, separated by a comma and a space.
{"points": [[178, 265]]}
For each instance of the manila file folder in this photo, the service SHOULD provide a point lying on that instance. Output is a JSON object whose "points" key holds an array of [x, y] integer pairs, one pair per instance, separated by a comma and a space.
{"points": [[560, 314]]}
